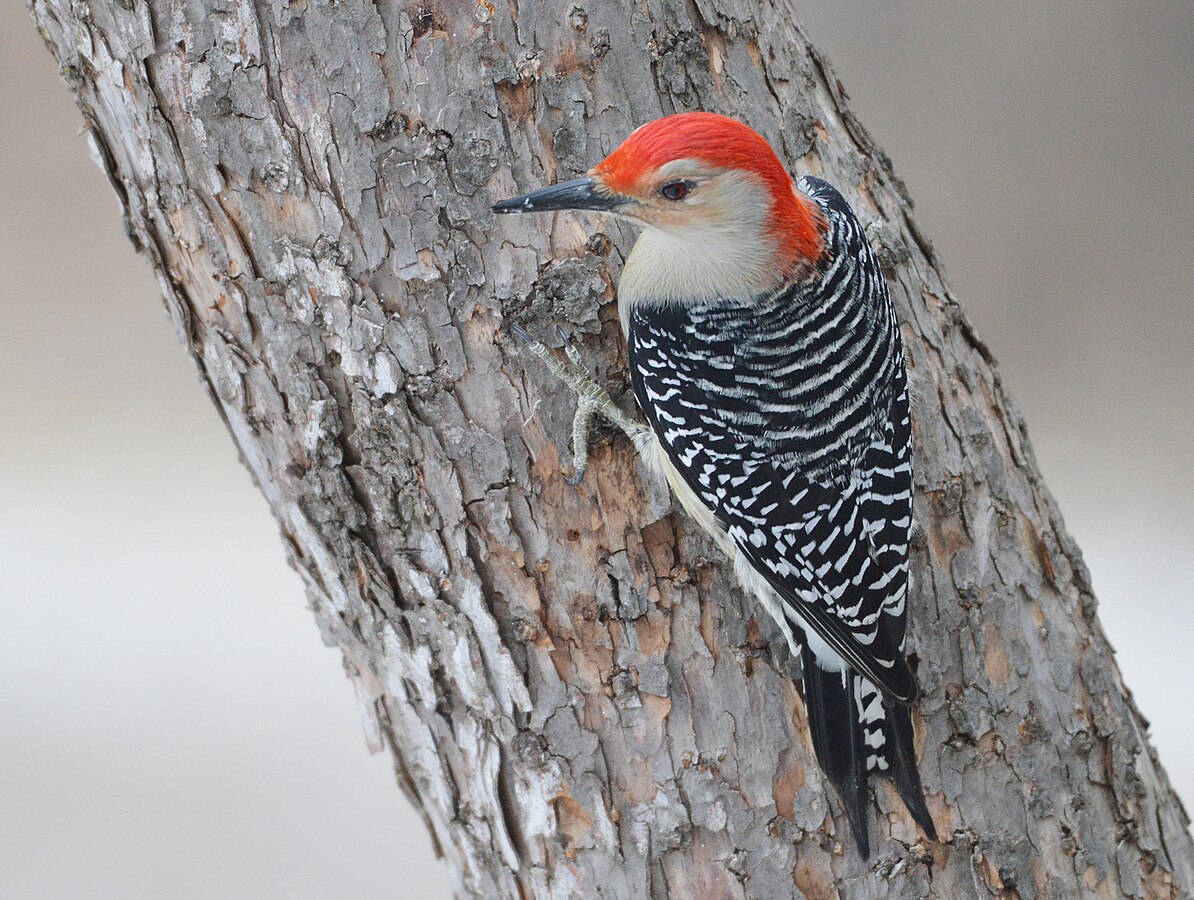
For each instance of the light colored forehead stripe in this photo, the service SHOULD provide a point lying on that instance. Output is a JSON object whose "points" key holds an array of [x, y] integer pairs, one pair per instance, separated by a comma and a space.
{"points": [[689, 166]]}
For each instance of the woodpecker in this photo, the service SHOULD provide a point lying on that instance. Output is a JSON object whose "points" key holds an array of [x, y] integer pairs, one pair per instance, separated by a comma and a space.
{"points": [[765, 354]]}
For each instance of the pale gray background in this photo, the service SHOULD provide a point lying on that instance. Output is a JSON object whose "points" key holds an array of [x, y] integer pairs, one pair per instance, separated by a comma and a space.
{"points": [[171, 726]]}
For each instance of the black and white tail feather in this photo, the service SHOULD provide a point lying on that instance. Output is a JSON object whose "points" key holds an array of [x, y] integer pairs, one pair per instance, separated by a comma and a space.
{"points": [[786, 416], [856, 733]]}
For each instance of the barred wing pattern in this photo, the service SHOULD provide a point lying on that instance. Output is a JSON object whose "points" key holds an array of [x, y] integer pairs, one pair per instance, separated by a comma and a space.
{"points": [[787, 415]]}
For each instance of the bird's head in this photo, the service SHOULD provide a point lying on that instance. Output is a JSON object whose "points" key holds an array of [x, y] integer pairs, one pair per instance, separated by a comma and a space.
{"points": [[711, 193]]}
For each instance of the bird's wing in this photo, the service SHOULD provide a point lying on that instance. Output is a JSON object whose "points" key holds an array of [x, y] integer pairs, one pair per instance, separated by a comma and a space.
{"points": [[838, 559], [836, 555], [787, 415]]}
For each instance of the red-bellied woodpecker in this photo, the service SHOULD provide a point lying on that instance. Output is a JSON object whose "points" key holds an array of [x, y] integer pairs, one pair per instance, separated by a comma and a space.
{"points": [[765, 354]]}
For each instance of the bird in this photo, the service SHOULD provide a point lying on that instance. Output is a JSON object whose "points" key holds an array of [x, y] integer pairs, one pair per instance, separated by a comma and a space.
{"points": [[765, 354]]}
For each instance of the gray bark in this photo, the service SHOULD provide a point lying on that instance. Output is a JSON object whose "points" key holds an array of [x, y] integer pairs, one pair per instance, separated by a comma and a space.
{"points": [[574, 691]]}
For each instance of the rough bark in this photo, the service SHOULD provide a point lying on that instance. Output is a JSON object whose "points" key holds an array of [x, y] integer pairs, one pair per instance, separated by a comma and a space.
{"points": [[575, 693]]}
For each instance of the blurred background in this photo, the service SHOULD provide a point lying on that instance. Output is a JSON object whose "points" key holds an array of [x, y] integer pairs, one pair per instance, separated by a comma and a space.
{"points": [[172, 724]]}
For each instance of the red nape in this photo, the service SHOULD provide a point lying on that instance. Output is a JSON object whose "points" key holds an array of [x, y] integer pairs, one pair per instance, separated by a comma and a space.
{"points": [[725, 143]]}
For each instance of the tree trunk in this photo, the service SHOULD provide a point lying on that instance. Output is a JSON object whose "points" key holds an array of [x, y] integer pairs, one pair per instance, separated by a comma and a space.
{"points": [[576, 694]]}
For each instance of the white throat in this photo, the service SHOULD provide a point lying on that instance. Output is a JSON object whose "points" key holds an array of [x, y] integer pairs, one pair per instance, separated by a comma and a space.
{"points": [[732, 256]]}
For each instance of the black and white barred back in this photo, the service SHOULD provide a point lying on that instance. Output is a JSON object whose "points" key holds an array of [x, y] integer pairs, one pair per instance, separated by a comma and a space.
{"points": [[787, 415]]}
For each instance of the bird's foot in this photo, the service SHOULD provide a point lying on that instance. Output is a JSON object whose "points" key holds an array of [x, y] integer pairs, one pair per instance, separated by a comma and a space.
{"points": [[592, 398]]}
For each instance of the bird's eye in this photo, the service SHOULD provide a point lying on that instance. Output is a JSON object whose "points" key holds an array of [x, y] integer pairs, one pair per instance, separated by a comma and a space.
{"points": [[674, 190]]}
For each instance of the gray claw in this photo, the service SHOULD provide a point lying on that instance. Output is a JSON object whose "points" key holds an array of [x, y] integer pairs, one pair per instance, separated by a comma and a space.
{"points": [[592, 398], [570, 348]]}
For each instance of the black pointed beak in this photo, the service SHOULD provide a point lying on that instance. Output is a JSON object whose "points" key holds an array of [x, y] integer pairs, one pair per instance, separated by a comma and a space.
{"points": [[579, 193]]}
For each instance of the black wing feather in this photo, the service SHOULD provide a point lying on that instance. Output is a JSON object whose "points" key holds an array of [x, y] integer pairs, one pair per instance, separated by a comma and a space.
{"points": [[787, 414]]}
